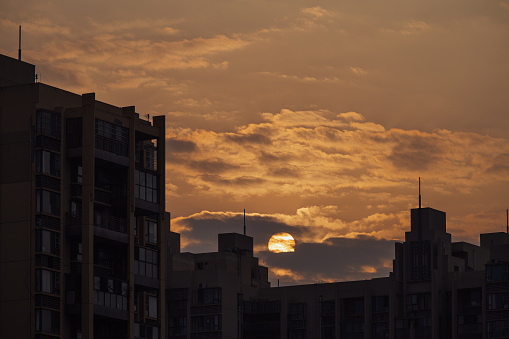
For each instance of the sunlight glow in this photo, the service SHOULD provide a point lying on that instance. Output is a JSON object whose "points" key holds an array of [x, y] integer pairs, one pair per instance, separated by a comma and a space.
{"points": [[281, 242]]}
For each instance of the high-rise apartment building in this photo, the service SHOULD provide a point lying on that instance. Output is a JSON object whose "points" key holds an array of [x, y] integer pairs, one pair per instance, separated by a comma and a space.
{"points": [[82, 219]]}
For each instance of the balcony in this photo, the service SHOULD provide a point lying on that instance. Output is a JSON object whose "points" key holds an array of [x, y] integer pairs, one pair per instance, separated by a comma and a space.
{"points": [[105, 226]]}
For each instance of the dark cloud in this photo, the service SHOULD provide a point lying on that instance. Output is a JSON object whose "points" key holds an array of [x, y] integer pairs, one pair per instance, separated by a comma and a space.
{"points": [[238, 181], [285, 172], [212, 166], [337, 259], [180, 146], [415, 153], [265, 157], [248, 139]]}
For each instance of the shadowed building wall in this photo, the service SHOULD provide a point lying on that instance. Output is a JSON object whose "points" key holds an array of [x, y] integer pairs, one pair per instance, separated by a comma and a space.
{"points": [[82, 218]]}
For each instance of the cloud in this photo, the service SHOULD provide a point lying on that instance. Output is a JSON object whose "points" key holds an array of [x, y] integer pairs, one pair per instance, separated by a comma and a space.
{"points": [[316, 11], [305, 265], [180, 146]]}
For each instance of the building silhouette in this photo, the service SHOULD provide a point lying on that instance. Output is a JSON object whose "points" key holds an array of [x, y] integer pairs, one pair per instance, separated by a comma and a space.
{"points": [[438, 289], [82, 220], [86, 250], [206, 291]]}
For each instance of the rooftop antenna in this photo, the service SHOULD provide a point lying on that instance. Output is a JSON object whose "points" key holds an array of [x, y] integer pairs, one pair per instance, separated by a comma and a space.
{"points": [[419, 192], [244, 221], [19, 48], [507, 220]]}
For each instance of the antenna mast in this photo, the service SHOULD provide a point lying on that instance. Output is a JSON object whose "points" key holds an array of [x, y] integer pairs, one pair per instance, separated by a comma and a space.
{"points": [[419, 192], [244, 221], [19, 48], [507, 220]]}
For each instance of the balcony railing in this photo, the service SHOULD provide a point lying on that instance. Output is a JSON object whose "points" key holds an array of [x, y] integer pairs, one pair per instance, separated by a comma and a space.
{"points": [[110, 222]]}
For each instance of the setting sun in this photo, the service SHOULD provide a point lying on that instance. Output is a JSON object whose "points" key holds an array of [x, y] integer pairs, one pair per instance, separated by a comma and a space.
{"points": [[281, 242]]}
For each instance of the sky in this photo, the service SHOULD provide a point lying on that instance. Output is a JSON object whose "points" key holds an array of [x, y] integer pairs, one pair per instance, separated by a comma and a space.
{"points": [[317, 117]]}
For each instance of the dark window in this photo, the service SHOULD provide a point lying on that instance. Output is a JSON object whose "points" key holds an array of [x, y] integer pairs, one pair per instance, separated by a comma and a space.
{"points": [[497, 329], [417, 301], [47, 162], [47, 242], [48, 123], [210, 322], [47, 321], [497, 272], [209, 296], [111, 293], [142, 331], [47, 281], [497, 301], [77, 174], [151, 157], [146, 262], [354, 306], [48, 202], [380, 304], [146, 186], [151, 306], [74, 132], [111, 137], [151, 231]]}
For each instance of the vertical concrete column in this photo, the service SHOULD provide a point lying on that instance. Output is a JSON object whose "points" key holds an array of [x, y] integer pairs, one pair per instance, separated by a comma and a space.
{"points": [[367, 310], [87, 232], [130, 113], [392, 305], [454, 306], [160, 122]]}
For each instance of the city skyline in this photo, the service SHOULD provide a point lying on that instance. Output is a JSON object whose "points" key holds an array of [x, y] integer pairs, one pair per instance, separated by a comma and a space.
{"points": [[317, 118]]}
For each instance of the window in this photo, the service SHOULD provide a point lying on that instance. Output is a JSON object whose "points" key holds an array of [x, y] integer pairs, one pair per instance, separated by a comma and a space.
{"points": [[74, 131], [417, 301], [142, 331], [111, 137], [497, 329], [146, 186], [177, 326], [151, 231], [151, 157], [151, 306], [47, 162], [48, 202], [211, 322], [497, 272], [146, 262], [47, 321], [111, 293], [296, 316], [77, 174], [48, 123], [354, 306], [380, 304], [497, 301], [47, 281], [76, 251], [47, 242], [208, 296]]}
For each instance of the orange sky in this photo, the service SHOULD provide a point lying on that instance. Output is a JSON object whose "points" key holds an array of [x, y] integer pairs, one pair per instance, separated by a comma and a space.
{"points": [[317, 117]]}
